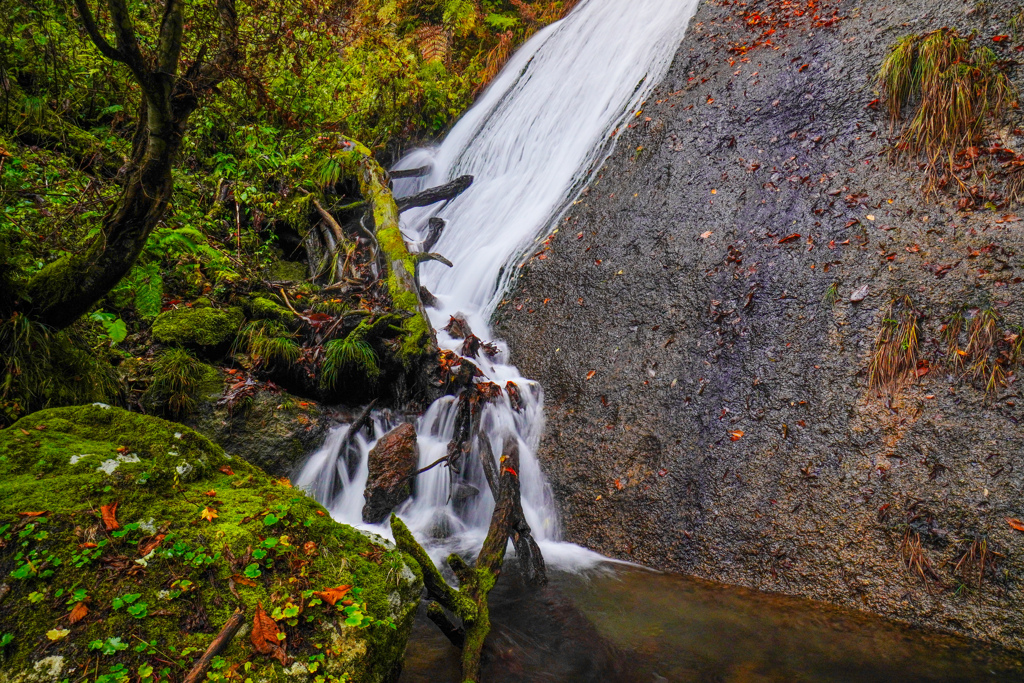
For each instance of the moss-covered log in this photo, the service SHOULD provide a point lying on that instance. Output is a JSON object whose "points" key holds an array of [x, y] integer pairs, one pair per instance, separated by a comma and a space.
{"points": [[469, 601], [419, 346]]}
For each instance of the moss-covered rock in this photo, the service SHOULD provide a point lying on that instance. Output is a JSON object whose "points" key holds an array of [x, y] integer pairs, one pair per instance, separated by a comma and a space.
{"points": [[262, 308], [128, 541], [288, 271], [210, 330], [272, 430]]}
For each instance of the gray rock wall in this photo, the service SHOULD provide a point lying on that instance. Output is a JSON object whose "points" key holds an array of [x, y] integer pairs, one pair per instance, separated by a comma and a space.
{"points": [[670, 280]]}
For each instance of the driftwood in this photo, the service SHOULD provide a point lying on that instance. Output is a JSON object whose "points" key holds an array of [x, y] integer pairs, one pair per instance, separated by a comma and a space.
{"points": [[469, 602], [418, 172], [219, 644], [436, 194], [434, 227]]}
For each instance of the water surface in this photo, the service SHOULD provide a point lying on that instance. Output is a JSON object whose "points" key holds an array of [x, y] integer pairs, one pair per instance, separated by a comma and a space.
{"points": [[624, 624]]}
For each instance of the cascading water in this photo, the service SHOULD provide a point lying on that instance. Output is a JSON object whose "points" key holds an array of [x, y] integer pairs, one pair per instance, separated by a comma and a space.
{"points": [[531, 142]]}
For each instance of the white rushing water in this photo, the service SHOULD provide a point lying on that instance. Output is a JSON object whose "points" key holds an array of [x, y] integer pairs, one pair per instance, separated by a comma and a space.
{"points": [[531, 142]]}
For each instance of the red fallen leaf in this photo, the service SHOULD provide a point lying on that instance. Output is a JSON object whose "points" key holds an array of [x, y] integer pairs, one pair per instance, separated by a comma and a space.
{"points": [[1015, 523], [618, 484], [265, 636], [662, 472], [999, 39], [510, 470], [873, 104], [83, 546], [801, 423], [852, 223], [597, 261], [232, 371], [146, 547], [913, 248], [542, 257], [78, 613], [923, 367], [736, 435], [109, 513], [320, 512], [332, 595], [789, 238], [226, 470], [32, 514], [591, 374]]}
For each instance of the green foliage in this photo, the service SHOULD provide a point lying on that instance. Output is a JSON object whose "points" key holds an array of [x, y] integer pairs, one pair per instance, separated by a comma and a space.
{"points": [[178, 381], [40, 368], [267, 341], [352, 355]]}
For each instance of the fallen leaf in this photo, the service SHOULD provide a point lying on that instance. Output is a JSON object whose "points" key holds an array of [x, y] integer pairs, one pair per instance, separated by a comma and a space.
{"points": [[78, 613], [736, 435], [243, 580], [309, 547], [285, 482], [999, 39], [860, 293], [332, 595], [83, 546], [618, 484], [226, 470], [109, 513], [57, 633], [591, 374], [24, 432], [789, 238], [264, 636], [210, 514], [1015, 523], [705, 235], [148, 546], [31, 514], [210, 494]]}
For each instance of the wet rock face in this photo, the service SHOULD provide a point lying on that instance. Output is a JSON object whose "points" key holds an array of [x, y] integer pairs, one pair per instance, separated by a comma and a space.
{"points": [[708, 403], [392, 462]]}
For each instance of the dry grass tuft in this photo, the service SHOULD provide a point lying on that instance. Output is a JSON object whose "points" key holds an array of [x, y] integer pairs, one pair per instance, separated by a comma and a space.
{"points": [[990, 354], [915, 560], [977, 558], [952, 89], [894, 360]]}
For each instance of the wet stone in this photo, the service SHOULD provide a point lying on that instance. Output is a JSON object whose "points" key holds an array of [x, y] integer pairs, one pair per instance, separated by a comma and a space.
{"points": [[392, 463]]}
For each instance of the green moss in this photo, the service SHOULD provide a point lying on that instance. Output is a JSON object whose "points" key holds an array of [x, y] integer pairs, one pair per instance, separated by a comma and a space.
{"points": [[68, 463], [262, 308], [287, 271], [179, 381], [209, 328]]}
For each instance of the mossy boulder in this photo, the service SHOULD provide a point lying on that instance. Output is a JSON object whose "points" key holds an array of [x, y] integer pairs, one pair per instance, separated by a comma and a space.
{"points": [[272, 429], [288, 271], [262, 308], [207, 330], [128, 541]]}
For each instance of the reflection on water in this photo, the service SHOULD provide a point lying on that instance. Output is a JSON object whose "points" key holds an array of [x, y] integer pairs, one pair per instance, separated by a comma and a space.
{"points": [[624, 624]]}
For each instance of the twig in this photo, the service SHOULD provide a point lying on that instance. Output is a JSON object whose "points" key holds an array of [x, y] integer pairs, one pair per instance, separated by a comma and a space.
{"points": [[198, 672], [288, 303]]}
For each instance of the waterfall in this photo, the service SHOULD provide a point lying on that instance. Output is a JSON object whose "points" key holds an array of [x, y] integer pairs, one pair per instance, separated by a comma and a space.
{"points": [[531, 141]]}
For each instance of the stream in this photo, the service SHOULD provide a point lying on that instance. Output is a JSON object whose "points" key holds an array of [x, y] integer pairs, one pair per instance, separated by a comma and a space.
{"points": [[532, 141]]}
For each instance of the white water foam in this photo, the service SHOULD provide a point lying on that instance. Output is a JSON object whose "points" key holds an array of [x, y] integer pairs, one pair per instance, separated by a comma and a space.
{"points": [[531, 142]]}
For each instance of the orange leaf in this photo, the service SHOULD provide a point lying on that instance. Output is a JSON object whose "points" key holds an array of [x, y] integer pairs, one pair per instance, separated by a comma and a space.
{"points": [[210, 494], [109, 513], [83, 546], [320, 512], [264, 636], [210, 514], [245, 581], [78, 612], [332, 595], [590, 375], [147, 547], [226, 470], [789, 238], [24, 431], [510, 470], [1015, 523], [618, 484], [309, 547], [31, 514], [285, 482], [736, 435]]}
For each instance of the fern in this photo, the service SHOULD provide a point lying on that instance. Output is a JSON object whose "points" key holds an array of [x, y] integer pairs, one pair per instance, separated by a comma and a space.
{"points": [[148, 286]]}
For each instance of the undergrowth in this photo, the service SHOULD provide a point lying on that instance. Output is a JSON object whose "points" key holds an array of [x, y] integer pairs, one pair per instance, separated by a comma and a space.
{"points": [[951, 90], [981, 349], [894, 359], [178, 378]]}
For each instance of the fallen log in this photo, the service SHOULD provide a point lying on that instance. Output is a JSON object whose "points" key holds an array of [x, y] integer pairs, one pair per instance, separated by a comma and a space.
{"points": [[418, 172], [219, 644], [469, 602], [436, 194]]}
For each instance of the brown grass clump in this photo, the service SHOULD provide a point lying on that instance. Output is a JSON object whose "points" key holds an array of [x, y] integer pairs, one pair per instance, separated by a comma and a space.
{"points": [[953, 91], [977, 558], [915, 560], [990, 354], [894, 360]]}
